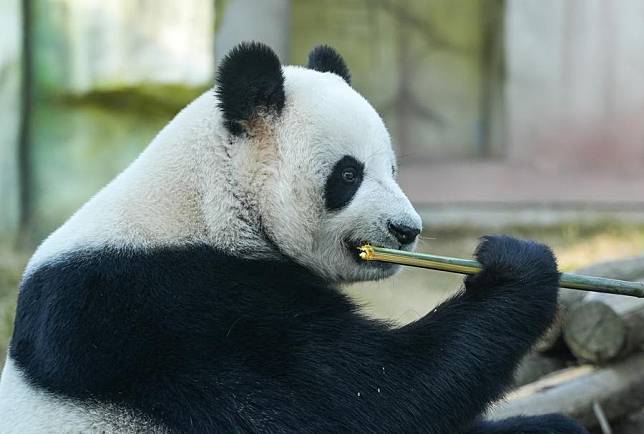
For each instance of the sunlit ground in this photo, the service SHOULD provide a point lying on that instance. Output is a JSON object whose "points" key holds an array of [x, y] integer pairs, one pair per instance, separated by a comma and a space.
{"points": [[414, 292]]}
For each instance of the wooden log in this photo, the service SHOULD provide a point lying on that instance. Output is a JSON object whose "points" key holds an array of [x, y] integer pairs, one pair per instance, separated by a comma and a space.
{"points": [[536, 365], [604, 327], [617, 389], [552, 339], [623, 269], [631, 424]]}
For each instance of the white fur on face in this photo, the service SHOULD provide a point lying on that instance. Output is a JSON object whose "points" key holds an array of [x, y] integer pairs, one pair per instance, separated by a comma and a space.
{"points": [[323, 121], [194, 184], [254, 197]]}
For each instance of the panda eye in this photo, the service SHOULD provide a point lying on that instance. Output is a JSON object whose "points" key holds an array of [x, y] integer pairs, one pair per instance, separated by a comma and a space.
{"points": [[349, 175], [343, 182]]}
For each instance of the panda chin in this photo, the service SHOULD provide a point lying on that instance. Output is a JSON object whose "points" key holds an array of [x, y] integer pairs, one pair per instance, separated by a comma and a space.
{"points": [[368, 271]]}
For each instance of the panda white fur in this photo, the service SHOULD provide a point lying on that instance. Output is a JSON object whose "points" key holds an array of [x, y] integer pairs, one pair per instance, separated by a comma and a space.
{"points": [[196, 292]]}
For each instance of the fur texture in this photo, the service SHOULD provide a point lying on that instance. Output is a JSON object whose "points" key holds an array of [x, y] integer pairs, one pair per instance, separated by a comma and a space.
{"points": [[249, 84], [325, 59], [259, 195], [267, 346]]}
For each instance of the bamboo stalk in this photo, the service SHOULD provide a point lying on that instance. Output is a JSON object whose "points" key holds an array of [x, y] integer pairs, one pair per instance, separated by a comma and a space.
{"points": [[470, 266]]}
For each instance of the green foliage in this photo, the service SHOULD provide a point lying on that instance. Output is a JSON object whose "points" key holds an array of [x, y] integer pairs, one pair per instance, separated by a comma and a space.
{"points": [[143, 100], [81, 142], [11, 266]]}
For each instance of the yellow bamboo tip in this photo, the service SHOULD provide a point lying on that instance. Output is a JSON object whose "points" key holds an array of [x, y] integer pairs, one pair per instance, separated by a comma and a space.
{"points": [[366, 252]]}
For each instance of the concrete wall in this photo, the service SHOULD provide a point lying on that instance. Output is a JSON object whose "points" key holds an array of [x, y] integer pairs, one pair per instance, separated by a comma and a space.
{"points": [[575, 83], [419, 62], [574, 123], [84, 45], [270, 24]]}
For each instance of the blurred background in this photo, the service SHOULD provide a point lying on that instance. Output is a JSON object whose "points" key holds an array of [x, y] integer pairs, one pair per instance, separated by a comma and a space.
{"points": [[517, 116]]}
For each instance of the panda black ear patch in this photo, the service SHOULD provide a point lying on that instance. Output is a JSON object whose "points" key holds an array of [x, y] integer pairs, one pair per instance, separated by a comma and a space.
{"points": [[249, 82], [325, 59]]}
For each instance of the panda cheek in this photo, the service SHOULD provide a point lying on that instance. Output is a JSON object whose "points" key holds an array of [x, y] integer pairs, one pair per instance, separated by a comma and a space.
{"points": [[337, 192]]}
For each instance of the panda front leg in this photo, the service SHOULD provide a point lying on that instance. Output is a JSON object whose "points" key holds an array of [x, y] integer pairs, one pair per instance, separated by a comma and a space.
{"points": [[463, 354]]}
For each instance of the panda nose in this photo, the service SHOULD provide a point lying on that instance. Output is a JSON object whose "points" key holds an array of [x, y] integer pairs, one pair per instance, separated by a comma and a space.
{"points": [[403, 233]]}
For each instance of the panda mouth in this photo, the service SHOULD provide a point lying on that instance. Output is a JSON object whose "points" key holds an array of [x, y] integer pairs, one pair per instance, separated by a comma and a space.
{"points": [[352, 247]]}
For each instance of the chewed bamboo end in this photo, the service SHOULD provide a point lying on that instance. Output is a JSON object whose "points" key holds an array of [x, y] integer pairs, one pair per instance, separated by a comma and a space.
{"points": [[366, 252]]}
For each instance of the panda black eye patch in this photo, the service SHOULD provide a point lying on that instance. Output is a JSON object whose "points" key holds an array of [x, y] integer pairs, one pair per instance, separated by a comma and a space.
{"points": [[343, 183]]}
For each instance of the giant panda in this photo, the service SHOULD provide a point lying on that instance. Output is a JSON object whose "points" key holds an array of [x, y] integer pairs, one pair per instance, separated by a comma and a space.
{"points": [[198, 291]]}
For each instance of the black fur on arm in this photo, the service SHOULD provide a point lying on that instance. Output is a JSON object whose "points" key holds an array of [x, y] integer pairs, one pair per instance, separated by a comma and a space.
{"points": [[249, 83], [265, 346], [462, 356]]}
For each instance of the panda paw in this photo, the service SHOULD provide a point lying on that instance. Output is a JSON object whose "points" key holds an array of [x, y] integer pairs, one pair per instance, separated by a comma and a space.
{"points": [[510, 262]]}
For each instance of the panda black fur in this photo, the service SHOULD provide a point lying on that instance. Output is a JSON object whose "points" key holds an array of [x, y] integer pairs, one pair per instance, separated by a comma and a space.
{"points": [[196, 292]]}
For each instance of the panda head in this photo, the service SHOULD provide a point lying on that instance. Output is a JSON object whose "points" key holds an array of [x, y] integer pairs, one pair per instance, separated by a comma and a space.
{"points": [[313, 161]]}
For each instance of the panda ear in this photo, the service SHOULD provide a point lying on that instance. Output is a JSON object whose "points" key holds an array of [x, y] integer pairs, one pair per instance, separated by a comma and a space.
{"points": [[249, 83], [325, 59]]}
